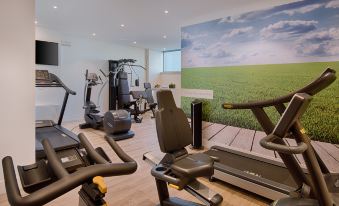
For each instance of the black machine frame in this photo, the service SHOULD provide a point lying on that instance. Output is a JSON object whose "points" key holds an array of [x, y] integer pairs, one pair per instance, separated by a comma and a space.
{"points": [[118, 94], [116, 123]]}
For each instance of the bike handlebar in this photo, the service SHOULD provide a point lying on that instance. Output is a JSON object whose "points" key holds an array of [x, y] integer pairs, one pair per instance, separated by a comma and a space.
{"points": [[66, 181]]}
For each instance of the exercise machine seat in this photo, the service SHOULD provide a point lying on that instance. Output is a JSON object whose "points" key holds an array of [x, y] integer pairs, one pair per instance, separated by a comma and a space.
{"points": [[148, 91], [195, 165], [138, 94], [174, 134]]}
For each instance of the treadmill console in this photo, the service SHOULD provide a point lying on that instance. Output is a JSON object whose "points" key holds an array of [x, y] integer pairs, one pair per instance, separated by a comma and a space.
{"points": [[92, 77], [45, 79], [42, 75]]}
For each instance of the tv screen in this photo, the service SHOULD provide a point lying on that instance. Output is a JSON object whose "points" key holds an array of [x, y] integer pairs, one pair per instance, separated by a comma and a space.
{"points": [[46, 53]]}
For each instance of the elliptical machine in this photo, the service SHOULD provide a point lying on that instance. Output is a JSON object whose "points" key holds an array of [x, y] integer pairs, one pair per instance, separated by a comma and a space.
{"points": [[93, 118], [116, 124]]}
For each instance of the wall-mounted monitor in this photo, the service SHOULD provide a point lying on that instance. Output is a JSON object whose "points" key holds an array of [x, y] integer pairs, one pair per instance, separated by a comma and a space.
{"points": [[46, 53]]}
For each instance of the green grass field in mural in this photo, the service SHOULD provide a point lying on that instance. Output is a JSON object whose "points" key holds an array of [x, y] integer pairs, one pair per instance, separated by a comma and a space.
{"points": [[257, 82]]}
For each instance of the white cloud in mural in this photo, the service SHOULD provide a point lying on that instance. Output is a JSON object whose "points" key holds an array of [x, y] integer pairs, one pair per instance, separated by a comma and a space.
{"points": [[291, 34], [287, 29], [231, 19], [289, 10], [217, 50], [320, 36], [320, 43], [188, 40], [332, 4], [223, 54], [227, 19], [185, 35], [198, 46], [302, 10], [236, 32]]}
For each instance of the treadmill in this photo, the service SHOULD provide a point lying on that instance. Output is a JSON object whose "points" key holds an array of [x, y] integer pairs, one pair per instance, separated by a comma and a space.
{"points": [[59, 137], [266, 177]]}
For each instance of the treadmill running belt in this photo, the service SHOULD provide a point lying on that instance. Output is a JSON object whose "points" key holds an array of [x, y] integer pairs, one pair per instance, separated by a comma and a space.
{"points": [[58, 140]]}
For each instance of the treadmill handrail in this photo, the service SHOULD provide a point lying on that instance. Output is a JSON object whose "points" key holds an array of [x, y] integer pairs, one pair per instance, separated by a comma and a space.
{"points": [[323, 81], [58, 80], [267, 143], [67, 181]]}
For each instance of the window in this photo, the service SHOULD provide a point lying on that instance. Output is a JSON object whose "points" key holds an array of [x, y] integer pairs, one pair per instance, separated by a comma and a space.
{"points": [[172, 60]]}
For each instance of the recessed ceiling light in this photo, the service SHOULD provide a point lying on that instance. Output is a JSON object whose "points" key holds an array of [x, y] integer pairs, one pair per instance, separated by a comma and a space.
{"points": [[164, 36], [55, 7], [134, 42], [166, 11], [94, 34], [122, 25], [35, 22]]}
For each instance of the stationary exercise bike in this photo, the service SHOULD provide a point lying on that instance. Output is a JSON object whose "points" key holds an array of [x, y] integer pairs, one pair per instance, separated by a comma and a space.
{"points": [[179, 169], [116, 124], [63, 171]]}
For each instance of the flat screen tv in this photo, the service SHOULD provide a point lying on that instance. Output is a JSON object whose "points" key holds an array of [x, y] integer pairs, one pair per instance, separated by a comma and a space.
{"points": [[46, 53]]}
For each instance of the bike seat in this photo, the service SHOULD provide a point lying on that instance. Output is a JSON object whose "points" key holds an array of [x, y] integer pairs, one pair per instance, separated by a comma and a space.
{"points": [[138, 94], [193, 165]]}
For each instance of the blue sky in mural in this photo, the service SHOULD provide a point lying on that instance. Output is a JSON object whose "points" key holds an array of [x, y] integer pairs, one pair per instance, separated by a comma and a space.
{"points": [[304, 31]]}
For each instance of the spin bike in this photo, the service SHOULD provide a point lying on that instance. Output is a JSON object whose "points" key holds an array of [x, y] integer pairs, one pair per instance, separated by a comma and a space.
{"points": [[61, 172]]}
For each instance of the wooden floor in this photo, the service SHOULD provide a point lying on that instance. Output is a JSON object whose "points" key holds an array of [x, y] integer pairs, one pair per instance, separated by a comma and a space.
{"points": [[139, 188]]}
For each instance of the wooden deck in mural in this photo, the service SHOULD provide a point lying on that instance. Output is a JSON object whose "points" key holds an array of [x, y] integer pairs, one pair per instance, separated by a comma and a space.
{"points": [[247, 141]]}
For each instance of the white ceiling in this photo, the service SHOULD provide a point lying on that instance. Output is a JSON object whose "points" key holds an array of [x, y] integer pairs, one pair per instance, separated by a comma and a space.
{"points": [[145, 21]]}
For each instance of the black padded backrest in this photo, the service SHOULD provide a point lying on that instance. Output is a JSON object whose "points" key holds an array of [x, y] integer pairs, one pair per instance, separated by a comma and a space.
{"points": [[148, 90], [173, 129], [123, 90]]}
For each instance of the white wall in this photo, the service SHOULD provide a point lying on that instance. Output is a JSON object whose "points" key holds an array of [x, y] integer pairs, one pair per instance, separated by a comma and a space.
{"points": [[157, 76], [17, 51], [76, 55]]}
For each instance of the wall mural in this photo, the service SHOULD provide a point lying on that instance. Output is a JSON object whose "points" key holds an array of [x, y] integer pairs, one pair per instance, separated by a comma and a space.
{"points": [[264, 54]]}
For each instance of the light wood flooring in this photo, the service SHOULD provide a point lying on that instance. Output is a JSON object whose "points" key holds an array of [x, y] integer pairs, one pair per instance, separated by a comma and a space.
{"points": [[139, 188]]}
